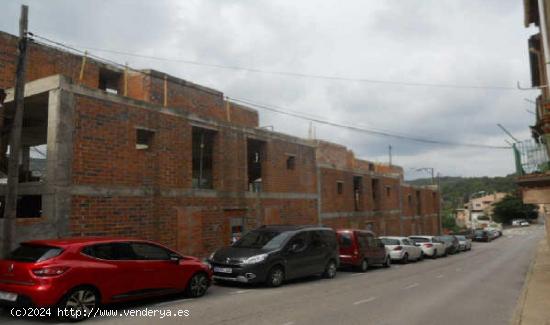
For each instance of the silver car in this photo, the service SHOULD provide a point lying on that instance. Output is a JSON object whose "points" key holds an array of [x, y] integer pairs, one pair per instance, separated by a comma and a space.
{"points": [[464, 244]]}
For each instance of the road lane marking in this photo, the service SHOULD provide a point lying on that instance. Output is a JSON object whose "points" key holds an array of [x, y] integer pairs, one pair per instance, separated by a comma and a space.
{"points": [[358, 274], [411, 286], [172, 302], [440, 276], [364, 301]]}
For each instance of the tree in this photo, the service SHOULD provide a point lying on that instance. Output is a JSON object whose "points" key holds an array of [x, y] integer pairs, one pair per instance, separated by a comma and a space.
{"points": [[512, 207], [448, 222]]}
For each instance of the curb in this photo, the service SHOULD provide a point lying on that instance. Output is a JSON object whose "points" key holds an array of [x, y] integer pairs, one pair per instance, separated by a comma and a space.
{"points": [[518, 311]]}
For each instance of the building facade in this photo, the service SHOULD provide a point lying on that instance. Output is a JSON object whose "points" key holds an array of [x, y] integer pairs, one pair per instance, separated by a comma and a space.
{"points": [[115, 152], [533, 164]]}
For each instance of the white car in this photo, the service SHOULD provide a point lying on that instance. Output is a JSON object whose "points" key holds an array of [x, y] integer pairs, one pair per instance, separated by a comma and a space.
{"points": [[520, 222], [464, 244], [402, 249], [431, 246]]}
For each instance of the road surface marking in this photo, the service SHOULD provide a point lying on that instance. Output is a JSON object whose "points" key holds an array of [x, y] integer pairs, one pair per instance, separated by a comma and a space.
{"points": [[411, 286], [172, 302], [238, 292], [440, 276], [358, 274], [364, 301]]}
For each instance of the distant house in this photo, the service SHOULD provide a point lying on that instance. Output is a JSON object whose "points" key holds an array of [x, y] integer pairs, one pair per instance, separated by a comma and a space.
{"points": [[478, 212]]}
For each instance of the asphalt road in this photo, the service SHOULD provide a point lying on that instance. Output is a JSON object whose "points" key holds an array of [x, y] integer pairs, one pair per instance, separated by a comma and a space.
{"points": [[477, 287]]}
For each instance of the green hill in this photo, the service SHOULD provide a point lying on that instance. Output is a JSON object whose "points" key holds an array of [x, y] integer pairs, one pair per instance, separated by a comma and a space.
{"points": [[457, 190]]}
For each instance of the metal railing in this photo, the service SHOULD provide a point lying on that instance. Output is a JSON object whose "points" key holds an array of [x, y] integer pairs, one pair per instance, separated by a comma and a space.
{"points": [[531, 157]]}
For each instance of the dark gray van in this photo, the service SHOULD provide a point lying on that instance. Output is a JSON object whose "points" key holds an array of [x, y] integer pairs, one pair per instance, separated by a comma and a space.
{"points": [[275, 253]]}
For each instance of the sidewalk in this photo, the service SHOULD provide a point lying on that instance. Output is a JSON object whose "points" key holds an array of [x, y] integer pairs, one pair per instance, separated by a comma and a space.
{"points": [[534, 303]]}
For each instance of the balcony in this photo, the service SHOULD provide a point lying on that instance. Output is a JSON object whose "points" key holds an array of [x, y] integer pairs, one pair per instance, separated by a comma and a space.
{"points": [[531, 158], [533, 170]]}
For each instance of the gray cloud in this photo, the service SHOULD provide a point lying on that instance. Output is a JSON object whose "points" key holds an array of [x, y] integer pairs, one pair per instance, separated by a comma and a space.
{"points": [[433, 41]]}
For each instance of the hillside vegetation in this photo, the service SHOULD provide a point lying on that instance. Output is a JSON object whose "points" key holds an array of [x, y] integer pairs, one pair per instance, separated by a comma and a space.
{"points": [[457, 190]]}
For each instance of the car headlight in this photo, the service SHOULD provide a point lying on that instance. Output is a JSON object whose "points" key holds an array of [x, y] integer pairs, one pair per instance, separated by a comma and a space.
{"points": [[255, 259], [211, 258]]}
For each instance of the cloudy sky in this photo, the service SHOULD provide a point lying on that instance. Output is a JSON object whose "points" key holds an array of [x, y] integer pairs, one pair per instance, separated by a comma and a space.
{"points": [[467, 42]]}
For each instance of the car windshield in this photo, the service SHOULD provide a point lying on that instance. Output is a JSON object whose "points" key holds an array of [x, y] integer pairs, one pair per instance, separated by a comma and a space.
{"points": [[389, 241], [263, 239], [33, 253], [420, 239], [479, 232], [345, 239], [461, 237]]}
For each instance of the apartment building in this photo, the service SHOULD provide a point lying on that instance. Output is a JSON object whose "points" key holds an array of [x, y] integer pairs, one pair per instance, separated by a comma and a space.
{"points": [[532, 156], [109, 151]]}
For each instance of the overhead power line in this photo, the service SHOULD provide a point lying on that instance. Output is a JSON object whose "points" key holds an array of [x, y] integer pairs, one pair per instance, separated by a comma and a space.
{"points": [[294, 74], [312, 118], [361, 129]]}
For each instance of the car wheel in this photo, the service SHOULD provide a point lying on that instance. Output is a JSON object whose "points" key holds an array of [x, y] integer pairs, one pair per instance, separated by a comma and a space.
{"points": [[364, 266], [330, 270], [434, 256], [421, 257], [387, 262], [197, 286], [275, 277], [78, 304], [405, 259]]}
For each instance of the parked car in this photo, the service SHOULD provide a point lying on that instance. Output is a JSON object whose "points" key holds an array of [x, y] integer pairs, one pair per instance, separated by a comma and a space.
{"points": [[464, 244], [431, 246], [361, 249], [482, 235], [524, 223], [275, 253], [80, 274], [402, 249], [494, 234], [451, 244], [520, 222]]}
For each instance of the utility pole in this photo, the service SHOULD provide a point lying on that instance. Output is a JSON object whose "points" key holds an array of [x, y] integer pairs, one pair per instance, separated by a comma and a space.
{"points": [[507, 132], [439, 203], [10, 211]]}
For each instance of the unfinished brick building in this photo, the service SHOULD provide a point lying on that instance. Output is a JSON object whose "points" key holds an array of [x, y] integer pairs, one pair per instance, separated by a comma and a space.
{"points": [[108, 151]]}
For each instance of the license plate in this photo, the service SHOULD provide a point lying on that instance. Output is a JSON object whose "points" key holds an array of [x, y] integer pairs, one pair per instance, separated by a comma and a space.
{"points": [[223, 269], [8, 296]]}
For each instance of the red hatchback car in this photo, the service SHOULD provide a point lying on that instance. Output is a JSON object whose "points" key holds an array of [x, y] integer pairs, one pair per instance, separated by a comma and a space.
{"points": [[361, 249], [80, 274]]}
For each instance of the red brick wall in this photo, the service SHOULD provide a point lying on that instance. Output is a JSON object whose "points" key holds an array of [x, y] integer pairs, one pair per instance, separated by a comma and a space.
{"points": [[301, 179], [41, 62], [104, 154], [46, 61]]}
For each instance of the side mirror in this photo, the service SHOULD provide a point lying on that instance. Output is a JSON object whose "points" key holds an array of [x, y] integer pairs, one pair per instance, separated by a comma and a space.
{"points": [[175, 258]]}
